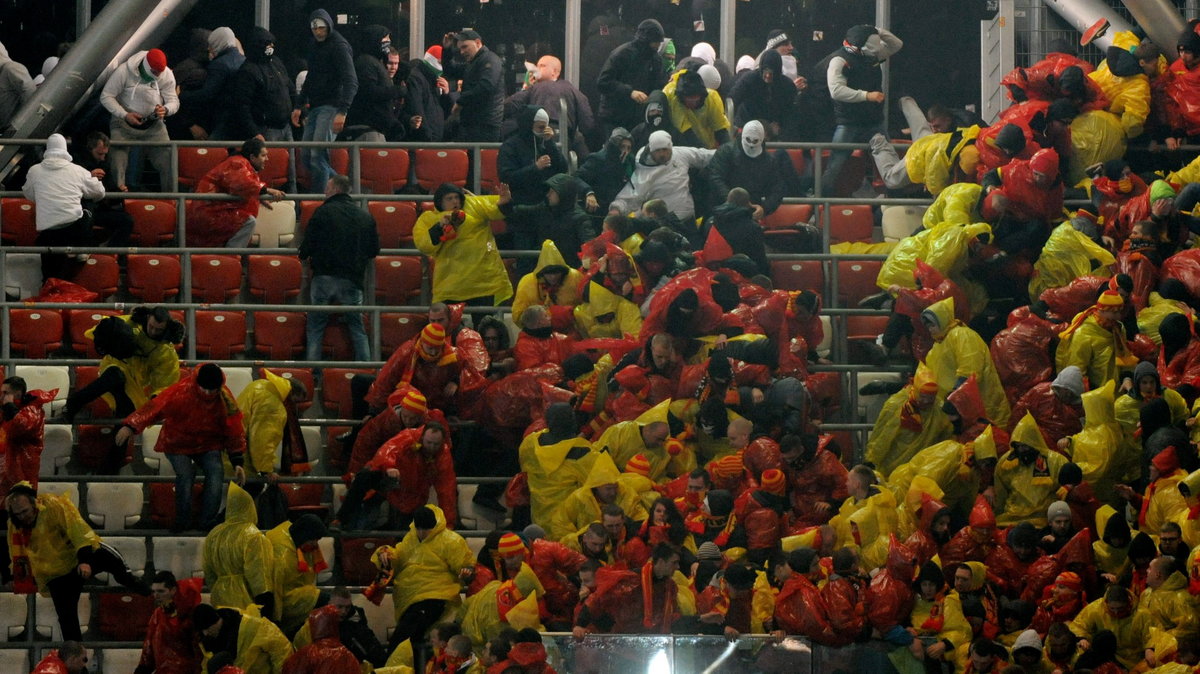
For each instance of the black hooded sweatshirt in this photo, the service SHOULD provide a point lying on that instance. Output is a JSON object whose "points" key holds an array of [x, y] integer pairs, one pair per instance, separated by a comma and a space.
{"points": [[516, 163], [634, 66], [372, 106], [263, 93], [331, 78], [566, 224]]}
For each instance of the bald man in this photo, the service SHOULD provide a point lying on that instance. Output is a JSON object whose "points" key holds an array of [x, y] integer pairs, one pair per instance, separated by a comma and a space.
{"points": [[545, 89]]}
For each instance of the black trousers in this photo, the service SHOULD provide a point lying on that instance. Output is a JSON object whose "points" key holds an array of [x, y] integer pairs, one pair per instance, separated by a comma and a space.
{"points": [[111, 380], [65, 590], [58, 265], [414, 623]]}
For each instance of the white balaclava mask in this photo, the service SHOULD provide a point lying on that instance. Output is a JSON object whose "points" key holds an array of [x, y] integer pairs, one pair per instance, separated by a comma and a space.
{"points": [[753, 136]]}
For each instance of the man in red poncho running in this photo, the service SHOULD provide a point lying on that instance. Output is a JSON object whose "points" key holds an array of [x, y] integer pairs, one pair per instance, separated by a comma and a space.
{"points": [[215, 224]]}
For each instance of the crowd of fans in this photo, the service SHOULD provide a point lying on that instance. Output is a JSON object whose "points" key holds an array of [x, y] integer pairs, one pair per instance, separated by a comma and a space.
{"points": [[1030, 495]]}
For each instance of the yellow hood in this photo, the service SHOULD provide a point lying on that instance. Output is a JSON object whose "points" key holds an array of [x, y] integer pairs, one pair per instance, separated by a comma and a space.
{"points": [[1028, 433], [978, 574], [239, 506], [1192, 483], [601, 300], [1098, 405], [943, 311], [603, 472], [549, 257], [984, 446], [438, 528], [1103, 515], [282, 386]]}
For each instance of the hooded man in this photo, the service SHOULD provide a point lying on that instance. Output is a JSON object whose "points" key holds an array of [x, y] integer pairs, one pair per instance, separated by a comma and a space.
{"points": [[529, 156], [556, 218], [372, 106], [556, 461], [457, 235], [238, 561], [170, 645], [1114, 613], [225, 59], [607, 171], [959, 352], [766, 94], [630, 73], [140, 94], [23, 426], [1126, 87], [297, 560], [1095, 341], [252, 644], [1056, 406], [16, 87], [816, 479], [744, 162], [696, 111], [584, 505], [56, 186], [325, 653], [263, 93], [936, 160], [1026, 478], [425, 104], [271, 420], [909, 421], [329, 89]]}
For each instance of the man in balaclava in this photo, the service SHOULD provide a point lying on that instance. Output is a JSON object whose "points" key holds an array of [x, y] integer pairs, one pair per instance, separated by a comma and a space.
{"points": [[631, 72], [262, 92]]}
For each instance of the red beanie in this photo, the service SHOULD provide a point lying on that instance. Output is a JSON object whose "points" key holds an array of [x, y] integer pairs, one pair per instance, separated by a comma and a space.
{"points": [[774, 481], [157, 60]]}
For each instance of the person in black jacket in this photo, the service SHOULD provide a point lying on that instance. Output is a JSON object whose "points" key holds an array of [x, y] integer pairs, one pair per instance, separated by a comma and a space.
{"points": [[766, 95], [428, 98], [631, 72], [372, 106], [328, 92], [557, 217], [735, 221], [608, 170], [353, 630], [480, 106], [548, 90], [340, 241], [529, 156], [743, 162], [263, 93]]}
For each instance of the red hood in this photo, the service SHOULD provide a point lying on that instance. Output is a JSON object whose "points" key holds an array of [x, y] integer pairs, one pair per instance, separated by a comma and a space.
{"points": [[526, 654], [982, 516], [901, 560], [454, 317], [323, 623], [187, 595], [927, 276], [1078, 550], [968, 401], [39, 397], [930, 507]]}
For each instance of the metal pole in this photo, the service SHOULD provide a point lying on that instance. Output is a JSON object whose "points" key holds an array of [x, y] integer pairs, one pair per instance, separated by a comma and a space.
{"points": [[1191, 8], [1037, 39], [1081, 14], [1160, 19], [574, 35], [728, 51], [883, 19], [83, 15], [416, 28], [262, 13]]}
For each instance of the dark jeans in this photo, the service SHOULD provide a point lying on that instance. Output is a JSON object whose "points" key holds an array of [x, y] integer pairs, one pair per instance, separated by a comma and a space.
{"points": [[58, 265], [185, 475], [65, 590], [118, 225], [356, 512], [414, 623], [845, 133], [898, 327]]}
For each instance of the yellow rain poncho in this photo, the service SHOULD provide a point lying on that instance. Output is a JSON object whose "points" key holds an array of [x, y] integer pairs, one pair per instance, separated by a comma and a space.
{"points": [[1133, 632], [1023, 492], [1109, 559], [958, 204], [1095, 448], [930, 160], [468, 265], [1187, 174], [640, 485], [238, 560], [553, 471], [1171, 608], [59, 533], [623, 441], [1152, 316], [261, 647], [891, 444], [605, 314], [429, 568], [1128, 410], [704, 121], [1166, 503], [1128, 96], [1096, 137], [153, 366], [948, 623], [296, 590], [1067, 255], [1189, 524], [265, 420], [531, 292], [1091, 349], [866, 525], [581, 508], [944, 247], [961, 352], [512, 603], [948, 465]]}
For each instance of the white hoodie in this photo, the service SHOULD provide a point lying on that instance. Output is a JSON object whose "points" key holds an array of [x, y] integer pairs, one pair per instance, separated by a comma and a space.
{"points": [[57, 187], [125, 91]]}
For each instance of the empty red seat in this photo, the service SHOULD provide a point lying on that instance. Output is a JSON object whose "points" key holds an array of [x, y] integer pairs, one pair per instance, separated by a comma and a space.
{"points": [[216, 278], [394, 221], [220, 334], [397, 279], [123, 616], [396, 329], [799, 159], [489, 175], [435, 167], [807, 275], [850, 222], [101, 274], [856, 280], [787, 216], [384, 170], [355, 559], [18, 226], [162, 503], [97, 452], [153, 278], [307, 208], [305, 498], [35, 333], [335, 390], [274, 279], [279, 335], [865, 327], [194, 162], [154, 221], [84, 375], [302, 374]]}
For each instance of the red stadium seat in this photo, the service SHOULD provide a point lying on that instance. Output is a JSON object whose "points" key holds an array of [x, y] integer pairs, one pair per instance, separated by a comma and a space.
{"points": [[335, 390], [850, 223], [162, 503], [304, 376], [394, 221], [275, 173], [355, 559], [787, 215], [153, 278], [489, 176], [335, 343], [865, 327], [154, 221], [396, 329], [305, 498], [279, 335], [100, 274], [97, 452], [84, 375], [384, 170], [799, 159], [397, 279], [220, 334], [856, 280], [807, 275], [18, 226], [435, 167], [852, 175], [274, 279], [194, 162], [35, 333], [339, 159], [307, 208], [123, 616], [216, 278]]}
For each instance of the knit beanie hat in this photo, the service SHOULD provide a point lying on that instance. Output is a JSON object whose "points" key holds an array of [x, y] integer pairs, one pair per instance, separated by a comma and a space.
{"points": [[433, 57], [533, 532], [777, 37], [1161, 189], [1011, 139], [155, 61], [433, 336], [708, 551], [639, 464], [308, 527], [1058, 509], [411, 400], [659, 140], [510, 545], [774, 481], [800, 560]]}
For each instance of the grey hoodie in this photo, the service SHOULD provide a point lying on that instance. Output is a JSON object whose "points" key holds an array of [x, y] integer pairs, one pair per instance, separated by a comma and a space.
{"points": [[16, 87]]}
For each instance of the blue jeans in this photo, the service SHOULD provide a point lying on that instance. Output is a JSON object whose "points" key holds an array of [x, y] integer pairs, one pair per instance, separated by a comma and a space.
{"points": [[210, 499], [318, 127], [327, 290], [844, 133]]}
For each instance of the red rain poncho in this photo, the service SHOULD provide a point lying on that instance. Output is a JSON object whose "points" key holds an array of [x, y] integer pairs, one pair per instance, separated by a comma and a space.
{"points": [[171, 644], [1021, 352], [22, 439], [212, 223], [418, 475], [800, 610], [934, 288], [889, 597], [326, 654]]}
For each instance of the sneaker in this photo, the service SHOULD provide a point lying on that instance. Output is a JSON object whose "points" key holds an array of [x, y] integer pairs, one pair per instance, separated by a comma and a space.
{"points": [[877, 301]]}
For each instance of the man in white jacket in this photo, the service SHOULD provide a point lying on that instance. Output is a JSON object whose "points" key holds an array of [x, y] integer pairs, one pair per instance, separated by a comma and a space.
{"points": [[57, 187], [140, 95], [15, 87], [661, 172]]}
